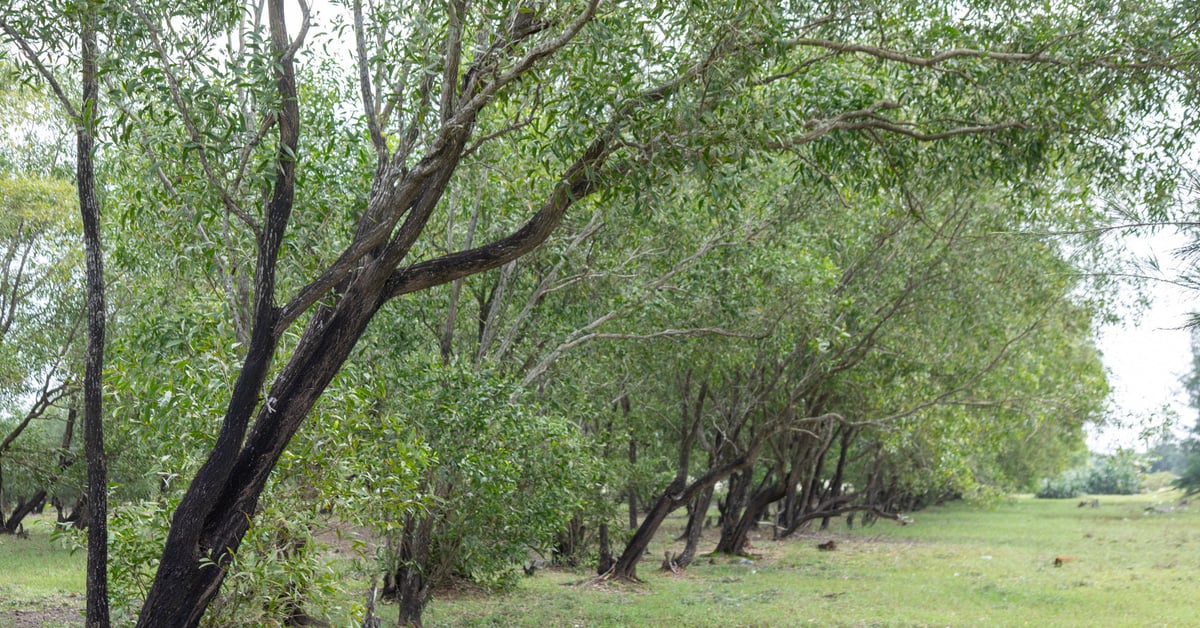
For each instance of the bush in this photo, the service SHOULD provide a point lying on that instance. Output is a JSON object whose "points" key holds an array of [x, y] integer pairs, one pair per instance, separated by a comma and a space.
{"points": [[1071, 483], [1118, 474]]}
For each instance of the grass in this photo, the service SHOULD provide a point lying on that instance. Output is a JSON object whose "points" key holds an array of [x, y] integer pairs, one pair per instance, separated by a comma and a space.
{"points": [[40, 582], [956, 566]]}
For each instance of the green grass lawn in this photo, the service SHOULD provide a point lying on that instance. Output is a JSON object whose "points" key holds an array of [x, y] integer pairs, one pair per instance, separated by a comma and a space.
{"points": [[40, 582], [955, 566]]}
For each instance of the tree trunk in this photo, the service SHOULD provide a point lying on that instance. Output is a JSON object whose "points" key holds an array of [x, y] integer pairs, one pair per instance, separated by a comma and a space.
{"points": [[570, 540], [695, 528], [412, 591], [733, 538], [606, 557], [633, 512], [22, 510], [93, 417], [626, 567], [208, 525], [674, 497], [733, 504], [835, 491]]}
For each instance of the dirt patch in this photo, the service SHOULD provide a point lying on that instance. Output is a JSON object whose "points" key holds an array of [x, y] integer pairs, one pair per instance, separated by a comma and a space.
{"points": [[58, 616]]}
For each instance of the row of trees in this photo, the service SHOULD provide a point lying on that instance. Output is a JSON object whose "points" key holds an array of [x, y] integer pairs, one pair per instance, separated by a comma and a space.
{"points": [[475, 276]]}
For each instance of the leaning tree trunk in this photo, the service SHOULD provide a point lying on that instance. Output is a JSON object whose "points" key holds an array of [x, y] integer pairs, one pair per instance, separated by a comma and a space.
{"points": [[22, 510], [733, 538], [677, 494], [626, 565]]}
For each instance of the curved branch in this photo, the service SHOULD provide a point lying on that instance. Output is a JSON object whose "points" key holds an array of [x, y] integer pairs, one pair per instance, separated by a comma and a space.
{"points": [[580, 180], [926, 62]]}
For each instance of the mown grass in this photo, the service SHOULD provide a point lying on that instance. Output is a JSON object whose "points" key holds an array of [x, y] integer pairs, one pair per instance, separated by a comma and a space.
{"points": [[956, 566], [37, 575], [1134, 561]]}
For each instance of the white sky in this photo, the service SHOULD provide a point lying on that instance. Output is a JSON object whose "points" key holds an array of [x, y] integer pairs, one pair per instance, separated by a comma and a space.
{"points": [[1147, 355]]}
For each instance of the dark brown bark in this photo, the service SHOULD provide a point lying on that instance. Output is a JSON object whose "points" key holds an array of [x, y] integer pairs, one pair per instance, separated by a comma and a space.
{"points": [[208, 525], [733, 538], [605, 562], [78, 516], [570, 543], [733, 505], [22, 510], [839, 472], [677, 494], [697, 511], [413, 586], [93, 425]]}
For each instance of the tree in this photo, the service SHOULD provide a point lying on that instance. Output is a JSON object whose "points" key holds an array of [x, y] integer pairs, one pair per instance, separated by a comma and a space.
{"points": [[84, 115], [38, 313], [582, 98]]}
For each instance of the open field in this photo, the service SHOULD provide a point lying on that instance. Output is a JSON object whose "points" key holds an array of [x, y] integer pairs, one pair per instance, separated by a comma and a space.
{"points": [[956, 566], [41, 584]]}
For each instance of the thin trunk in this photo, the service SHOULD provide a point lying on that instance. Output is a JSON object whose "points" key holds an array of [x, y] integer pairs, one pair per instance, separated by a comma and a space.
{"points": [[626, 567], [695, 528], [65, 459], [570, 538], [632, 490], [606, 557], [412, 585], [93, 426], [497, 303], [733, 505], [446, 342], [839, 472]]}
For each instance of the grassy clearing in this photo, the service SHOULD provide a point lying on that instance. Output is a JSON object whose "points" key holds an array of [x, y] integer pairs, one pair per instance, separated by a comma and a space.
{"points": [[956, 566], [41, 584]]}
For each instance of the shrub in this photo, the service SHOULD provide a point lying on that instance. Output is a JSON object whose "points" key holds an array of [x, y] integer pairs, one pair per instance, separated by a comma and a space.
{"points": [[1118, 474], [1071, 483]]}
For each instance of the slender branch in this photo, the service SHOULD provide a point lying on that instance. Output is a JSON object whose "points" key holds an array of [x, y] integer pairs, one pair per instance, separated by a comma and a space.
{"points": [[185, 113], [868, 118], [546, 285], [922, 61], [32, 56], [298, 42], [364, 82], [453, 58], [546, 49]]}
